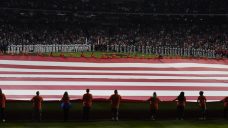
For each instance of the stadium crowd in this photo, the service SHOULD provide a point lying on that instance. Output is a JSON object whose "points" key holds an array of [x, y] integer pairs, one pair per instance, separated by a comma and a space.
{"points": [[183, 36], [198, 24], [127, 6]]}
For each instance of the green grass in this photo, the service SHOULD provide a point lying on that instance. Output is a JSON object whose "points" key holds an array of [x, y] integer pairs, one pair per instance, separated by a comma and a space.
{"points": [[99, 54], [122, 124]]}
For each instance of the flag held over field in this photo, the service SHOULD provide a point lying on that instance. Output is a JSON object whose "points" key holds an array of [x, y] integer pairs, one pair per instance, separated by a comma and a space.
{"points": [[136, 79]]}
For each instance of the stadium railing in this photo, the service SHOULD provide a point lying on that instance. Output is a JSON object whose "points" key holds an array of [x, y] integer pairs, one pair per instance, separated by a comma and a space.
{"points": [[128, 49], [40, 48], [162, 51]]}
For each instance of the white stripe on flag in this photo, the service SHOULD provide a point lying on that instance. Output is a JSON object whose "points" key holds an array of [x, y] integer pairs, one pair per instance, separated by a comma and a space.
{"points": [[116, 71], [111, 77], [86, 64], [84, 83], [110, 92]]}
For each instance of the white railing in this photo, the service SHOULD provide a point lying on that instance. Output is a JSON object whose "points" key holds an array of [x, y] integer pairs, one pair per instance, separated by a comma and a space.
{"points": [[40, 48], [163, 51]]}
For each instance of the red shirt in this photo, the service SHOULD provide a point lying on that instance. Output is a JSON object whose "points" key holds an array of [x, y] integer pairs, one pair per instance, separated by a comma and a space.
{"points": [[154, 102], [65, 99], [37, 102], [2, 100], [181, 102], [202, 101], [87, 100], [115, 100], [225, 101]]}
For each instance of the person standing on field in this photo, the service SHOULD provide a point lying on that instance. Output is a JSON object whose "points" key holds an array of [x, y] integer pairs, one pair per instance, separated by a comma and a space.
{"points": [[65, 105], [154, 101], [225, 103], [202, 104], [115, 103], [2, 105], [37, 106], [181, 103], [87, 104]]}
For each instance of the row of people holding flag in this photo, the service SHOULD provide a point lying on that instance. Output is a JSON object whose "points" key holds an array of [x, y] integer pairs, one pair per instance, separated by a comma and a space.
{"points": [[115, 100]]}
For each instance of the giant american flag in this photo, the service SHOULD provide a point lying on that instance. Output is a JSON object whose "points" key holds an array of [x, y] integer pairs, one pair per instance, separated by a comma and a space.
{"points": [[135, 79]]}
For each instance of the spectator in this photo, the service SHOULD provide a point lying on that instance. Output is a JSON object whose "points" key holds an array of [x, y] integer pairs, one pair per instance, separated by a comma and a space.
{"points": [[214, 37]]}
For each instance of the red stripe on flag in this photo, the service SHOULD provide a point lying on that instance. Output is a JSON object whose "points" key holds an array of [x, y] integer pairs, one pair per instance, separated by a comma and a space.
{"points": [[129, 74], [113, 60], [113, 80], [54, 87]]}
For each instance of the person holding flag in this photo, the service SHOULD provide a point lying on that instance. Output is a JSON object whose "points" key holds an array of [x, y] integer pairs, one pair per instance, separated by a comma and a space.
{"points": [[87, 104], [154, 101], [37, 106], [225, 103], [115, 103], [65, 105], [202, 104], [181, 103], [2, 105]]}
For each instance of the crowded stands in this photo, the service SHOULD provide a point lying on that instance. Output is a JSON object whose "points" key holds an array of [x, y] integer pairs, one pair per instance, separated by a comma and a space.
{"points": [[171, 23]]}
